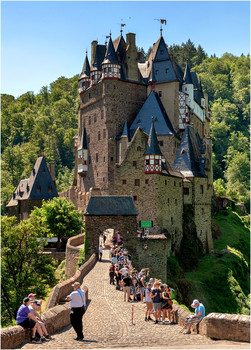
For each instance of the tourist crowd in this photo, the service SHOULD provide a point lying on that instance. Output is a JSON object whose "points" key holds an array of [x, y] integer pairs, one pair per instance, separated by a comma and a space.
{"points": [[137, 286]]}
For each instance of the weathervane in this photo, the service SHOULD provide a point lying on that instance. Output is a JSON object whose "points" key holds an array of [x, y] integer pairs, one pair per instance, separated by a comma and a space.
{"points": [[121, 26], [162, 21]]}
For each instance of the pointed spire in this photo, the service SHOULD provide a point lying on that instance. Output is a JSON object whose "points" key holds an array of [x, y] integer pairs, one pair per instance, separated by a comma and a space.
{"points": [[153, 145], [125, 130], [110, 56], [86, 68], [187, 75]]}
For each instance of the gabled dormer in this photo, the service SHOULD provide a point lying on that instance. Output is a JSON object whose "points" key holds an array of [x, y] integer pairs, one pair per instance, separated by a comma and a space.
{"points": [[110, 64], [84, 79], [83, 155], [153, 154]]}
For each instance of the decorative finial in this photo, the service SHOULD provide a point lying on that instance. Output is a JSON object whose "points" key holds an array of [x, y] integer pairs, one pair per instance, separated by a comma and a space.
{"points": [[86, 52], [122, 25], [110, 34], [162, 21]]}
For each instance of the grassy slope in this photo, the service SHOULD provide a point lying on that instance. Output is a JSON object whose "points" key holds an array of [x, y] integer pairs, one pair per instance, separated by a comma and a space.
{"points": [[222, 281]]}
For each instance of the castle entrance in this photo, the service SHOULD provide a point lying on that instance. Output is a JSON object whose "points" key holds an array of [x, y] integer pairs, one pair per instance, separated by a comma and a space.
{"points": [[109, 215]]}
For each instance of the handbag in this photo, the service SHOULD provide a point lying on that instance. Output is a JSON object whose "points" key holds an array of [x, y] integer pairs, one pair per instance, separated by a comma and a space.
{"points": [[83, 302]]}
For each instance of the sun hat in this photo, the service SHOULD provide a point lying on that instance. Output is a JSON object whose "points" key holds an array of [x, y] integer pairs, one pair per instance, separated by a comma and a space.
{"points": [[26, 299], [76, 284], [36, 302], [31, 295]]}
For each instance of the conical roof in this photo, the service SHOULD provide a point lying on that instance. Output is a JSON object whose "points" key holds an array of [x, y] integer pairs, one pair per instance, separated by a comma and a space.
{"points": [[86, 69], [152, 144], [187, 75], [125, 130], [110, 55], [99, 57]]}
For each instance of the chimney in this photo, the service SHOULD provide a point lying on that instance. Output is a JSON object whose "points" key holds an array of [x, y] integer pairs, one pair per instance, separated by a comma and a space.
{"points": [[131, 58], [93, 51], [52, 171]]}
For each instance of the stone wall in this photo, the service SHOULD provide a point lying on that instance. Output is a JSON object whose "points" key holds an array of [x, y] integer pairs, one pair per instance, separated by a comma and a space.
{"points": [[57, 256], [64, 288], [152, 251], [74, 244]]}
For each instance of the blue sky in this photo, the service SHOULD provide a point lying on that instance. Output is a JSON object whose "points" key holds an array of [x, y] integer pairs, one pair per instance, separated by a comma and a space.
{"points": [[43, 40]]}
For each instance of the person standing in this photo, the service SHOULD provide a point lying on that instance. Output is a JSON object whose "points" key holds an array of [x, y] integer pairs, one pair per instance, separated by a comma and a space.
{"points": [[149, 302], [156, 296], [112, 273], [127, 282], [100, 252], [78, 305]]}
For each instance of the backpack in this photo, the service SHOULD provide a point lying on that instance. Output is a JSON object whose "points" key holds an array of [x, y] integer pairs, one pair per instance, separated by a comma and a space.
{"points": [[172, 293]]}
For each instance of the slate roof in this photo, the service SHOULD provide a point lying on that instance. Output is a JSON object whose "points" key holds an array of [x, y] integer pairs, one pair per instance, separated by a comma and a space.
{"points": [[189, 161], [152, 107], [187, 75], [27, 188], [152, 144], [110, 55], [83, 140], [99, 57], [202, 151], [120, 48], [86, 69], [111, 205], [179, 73]]}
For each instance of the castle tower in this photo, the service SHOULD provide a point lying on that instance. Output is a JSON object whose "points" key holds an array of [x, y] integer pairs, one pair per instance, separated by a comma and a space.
{"points": [[84, 79], [95, 73], [152, 154], [110, 65]]}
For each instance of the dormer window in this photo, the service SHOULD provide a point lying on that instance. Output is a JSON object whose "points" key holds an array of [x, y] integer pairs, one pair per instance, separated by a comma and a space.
{"points": [[156, 72], [161, 52], [167, 70], [38, 188]]}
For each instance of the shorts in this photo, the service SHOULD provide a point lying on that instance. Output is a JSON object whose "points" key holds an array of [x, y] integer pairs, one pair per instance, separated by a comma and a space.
{"points": [[28, 323], [142, 290], [157, 306], [149, 305], [194, 320], [133, 290]]}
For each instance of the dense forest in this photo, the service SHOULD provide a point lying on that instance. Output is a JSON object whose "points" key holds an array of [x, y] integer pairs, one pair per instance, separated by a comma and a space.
{"points": [[44, 124]]}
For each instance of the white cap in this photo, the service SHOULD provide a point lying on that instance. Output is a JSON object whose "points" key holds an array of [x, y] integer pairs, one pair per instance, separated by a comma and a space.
{"points": [[196, 301]]}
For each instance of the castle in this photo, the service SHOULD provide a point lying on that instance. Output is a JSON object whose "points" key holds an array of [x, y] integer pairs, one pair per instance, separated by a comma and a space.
{"points": [[144, 131]]}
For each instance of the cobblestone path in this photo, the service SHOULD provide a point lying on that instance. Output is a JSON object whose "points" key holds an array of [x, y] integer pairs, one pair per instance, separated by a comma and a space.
{"points": [[107, 323]]}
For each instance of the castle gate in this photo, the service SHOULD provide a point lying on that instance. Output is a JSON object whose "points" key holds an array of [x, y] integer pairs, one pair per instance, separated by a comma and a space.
{"points": [[117, 212]]}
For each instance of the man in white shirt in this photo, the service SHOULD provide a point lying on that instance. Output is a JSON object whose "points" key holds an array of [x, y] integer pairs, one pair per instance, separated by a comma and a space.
{"points": [[78, 305], [100, 253]]}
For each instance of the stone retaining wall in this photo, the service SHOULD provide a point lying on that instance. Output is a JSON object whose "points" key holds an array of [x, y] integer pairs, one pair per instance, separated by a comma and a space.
{"points": [[218, 326], [57, 256], [64, 288], [72, 254], [55, 319]]}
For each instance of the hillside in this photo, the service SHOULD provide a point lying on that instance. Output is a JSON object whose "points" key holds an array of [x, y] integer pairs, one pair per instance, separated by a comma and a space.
{"points": [[221, 282]]}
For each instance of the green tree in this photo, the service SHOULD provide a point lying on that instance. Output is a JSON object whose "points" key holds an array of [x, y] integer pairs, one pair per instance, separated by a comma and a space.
{"points": [[220, 187], [60, 218], [24, 268]]}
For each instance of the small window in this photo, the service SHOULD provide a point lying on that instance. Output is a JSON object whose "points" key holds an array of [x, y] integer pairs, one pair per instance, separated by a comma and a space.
{"points": [[172, 220], [43, 170], [156, 162], [137, 182], [147, 182], [111, 159], [123, 182], [180, 184], [147, 161], [135, 198], [104, 133], [103, 179], [38, 188], [161, 52], [104, 70], [202, 211], [97, 174], [168, 200], [99, 136], [165, 182], [90, 95], [134, 163], [186, 190], [95, 118], [139, 149], [160, 93], [176, 202], [97, 157], [167, 70], [201, 189], [104, 159], [161, 143], [109, 70], [174, 183]]}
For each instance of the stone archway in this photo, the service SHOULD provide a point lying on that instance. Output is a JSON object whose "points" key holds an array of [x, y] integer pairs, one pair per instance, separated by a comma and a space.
{"points": [[117, 212]]}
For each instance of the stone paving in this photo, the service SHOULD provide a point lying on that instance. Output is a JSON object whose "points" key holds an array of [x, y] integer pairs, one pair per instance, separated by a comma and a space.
{"points": [[107, 323]]}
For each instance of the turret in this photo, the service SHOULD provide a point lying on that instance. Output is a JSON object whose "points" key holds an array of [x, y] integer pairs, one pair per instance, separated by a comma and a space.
{"points": [[188, 86], [84, 79], [153, 154], [110, 65], [83, 155], [95, 73]]}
